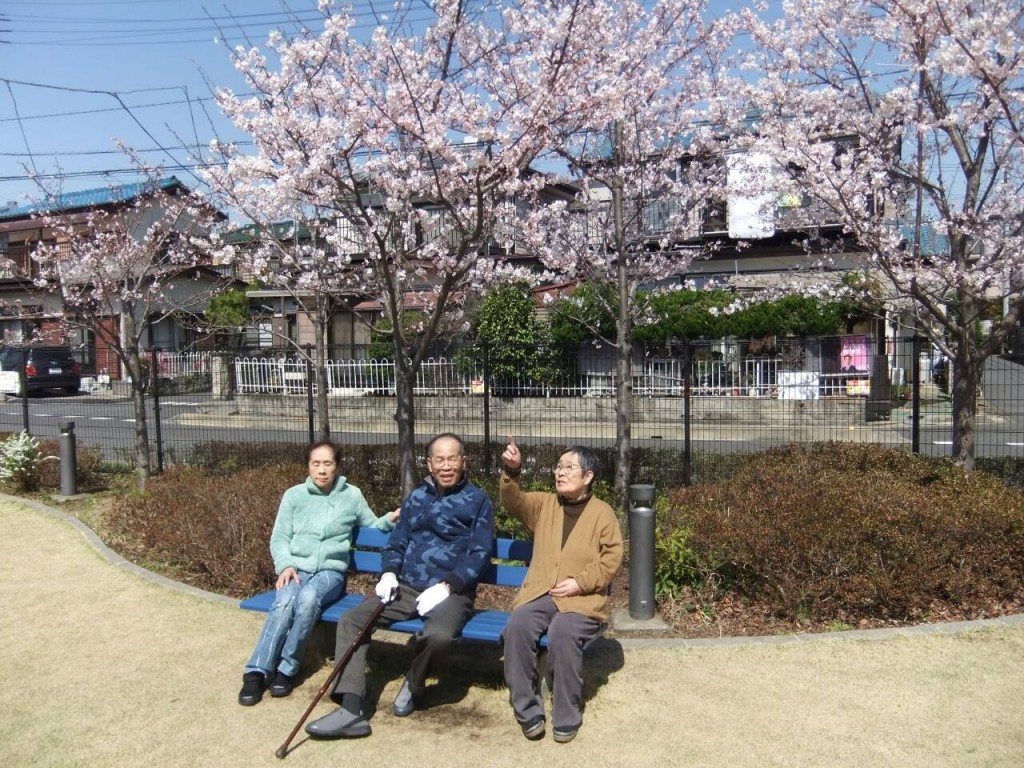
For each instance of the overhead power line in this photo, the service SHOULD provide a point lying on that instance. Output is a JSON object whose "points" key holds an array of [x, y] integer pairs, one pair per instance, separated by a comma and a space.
{"points": [[118, 97], [103, 172], [80, 112], [228, 27]]}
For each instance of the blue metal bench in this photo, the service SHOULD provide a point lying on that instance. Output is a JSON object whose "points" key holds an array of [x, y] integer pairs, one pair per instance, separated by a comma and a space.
{"points": [[509, 561]]}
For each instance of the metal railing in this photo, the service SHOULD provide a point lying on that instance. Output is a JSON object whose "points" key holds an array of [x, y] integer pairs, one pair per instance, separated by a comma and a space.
{"points": [[740, 399], [173, 365]]}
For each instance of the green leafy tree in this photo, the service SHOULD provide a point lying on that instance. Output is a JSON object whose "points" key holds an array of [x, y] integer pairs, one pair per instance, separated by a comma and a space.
{"points": [[583, 315], [688, 315], [382, 343], [793, 316], [518, 344], [228, 310], [227, 313], [709, 315], [381, 346]]}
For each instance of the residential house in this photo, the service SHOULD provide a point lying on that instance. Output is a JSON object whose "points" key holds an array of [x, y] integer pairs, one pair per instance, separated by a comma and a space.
{"points": [[283, 314], [30, 313]]}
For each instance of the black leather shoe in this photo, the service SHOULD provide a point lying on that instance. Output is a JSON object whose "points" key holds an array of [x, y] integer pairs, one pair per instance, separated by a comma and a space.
{"points": [[252, 689], [339, 724], [281, 686], [533, 729]]}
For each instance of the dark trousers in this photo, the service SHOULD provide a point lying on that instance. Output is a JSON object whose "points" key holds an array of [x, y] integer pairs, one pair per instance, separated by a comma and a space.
{"points": [[441, 627], [567, 634]]}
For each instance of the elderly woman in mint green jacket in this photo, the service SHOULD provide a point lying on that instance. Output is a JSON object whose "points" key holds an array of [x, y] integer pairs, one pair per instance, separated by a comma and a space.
{"points": [[311, 545]]}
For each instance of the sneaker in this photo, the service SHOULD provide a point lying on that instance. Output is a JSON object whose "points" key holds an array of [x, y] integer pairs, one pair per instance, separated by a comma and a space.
{"points": [[533, 728], [281, 685], [565, 735], [252, 689]]}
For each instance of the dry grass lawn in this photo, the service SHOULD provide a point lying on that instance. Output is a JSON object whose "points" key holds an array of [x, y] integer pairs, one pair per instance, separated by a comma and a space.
{"points": [[100, 667]]}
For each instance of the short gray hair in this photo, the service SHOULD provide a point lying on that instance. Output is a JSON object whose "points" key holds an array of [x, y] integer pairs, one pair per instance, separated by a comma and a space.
{"points": [[588, 461]]}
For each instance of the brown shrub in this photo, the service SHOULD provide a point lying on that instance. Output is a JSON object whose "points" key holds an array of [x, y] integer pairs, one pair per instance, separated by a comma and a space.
{"points": [[215, 529], [834, 530], [226, 457], [88, 463]]}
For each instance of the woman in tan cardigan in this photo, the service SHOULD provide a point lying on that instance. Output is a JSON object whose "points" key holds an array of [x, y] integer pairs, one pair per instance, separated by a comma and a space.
{"points": [[577, 550]]}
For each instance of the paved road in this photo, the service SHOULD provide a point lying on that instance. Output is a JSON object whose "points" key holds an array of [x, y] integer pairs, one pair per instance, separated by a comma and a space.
{"points": [[186, 420]]}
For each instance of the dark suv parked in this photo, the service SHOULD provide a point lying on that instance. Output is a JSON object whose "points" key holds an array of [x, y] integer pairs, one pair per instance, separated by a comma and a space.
{"points": [[46, 367]]}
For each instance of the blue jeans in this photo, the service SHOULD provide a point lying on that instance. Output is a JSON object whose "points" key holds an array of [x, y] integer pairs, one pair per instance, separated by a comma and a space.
{"points": [[293, 615]]}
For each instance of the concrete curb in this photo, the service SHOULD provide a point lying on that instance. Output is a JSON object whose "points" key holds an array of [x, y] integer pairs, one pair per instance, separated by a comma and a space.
{"points": [[112, 557]]}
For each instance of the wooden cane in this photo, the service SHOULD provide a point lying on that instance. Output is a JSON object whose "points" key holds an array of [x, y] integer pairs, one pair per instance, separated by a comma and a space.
{"points": [[282, 751]]}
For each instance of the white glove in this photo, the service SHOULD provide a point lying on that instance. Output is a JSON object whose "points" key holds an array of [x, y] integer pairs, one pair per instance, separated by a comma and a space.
{"points": [[431, 597], [387, 587]]}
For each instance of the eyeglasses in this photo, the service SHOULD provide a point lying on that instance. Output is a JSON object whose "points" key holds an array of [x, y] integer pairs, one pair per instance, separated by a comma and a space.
{"points": [[566, 468], [446, 461]]}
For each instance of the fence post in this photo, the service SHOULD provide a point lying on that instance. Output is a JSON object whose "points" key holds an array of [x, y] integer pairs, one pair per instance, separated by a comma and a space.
{"points": [[222, 379], [878, 405], [915, 406], [487, 412], [687, 456], [641, 551], [155, 382], [68, 460], [23, 381], [309, 392]]}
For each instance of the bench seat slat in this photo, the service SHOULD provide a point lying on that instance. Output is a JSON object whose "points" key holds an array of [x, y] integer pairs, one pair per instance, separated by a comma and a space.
{"points": [[483, 625]]}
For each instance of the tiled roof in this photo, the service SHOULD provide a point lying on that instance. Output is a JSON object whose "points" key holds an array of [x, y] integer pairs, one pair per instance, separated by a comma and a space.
{"points": [[90, 198]]}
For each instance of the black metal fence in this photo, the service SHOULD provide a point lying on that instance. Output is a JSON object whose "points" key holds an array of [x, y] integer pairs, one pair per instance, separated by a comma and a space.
{"points": [[694, 406]]}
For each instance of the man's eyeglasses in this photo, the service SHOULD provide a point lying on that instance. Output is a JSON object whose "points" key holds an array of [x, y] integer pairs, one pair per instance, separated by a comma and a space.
{"points": [[446, 461], [566, 468]]}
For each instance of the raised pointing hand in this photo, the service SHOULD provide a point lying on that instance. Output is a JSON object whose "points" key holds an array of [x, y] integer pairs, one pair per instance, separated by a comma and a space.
{"points": [[512, 458]]}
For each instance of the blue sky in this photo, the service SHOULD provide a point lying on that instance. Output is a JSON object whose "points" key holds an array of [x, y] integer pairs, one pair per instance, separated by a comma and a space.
{"points": [[78, 74]]}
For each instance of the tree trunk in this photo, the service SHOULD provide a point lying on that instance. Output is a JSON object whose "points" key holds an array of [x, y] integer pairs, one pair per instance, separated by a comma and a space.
{"points": [[324, 308], [623, 414], [142, 458], [623, 339], [965, 380], [323, 407], [405, 417]]}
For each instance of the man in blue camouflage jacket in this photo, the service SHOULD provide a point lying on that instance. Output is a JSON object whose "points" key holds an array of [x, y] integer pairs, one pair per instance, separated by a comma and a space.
{"points": [[433, 561]]}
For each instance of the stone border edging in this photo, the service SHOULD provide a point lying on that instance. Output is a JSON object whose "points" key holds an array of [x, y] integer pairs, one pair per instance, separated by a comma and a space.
{"points": [[953, 627]]}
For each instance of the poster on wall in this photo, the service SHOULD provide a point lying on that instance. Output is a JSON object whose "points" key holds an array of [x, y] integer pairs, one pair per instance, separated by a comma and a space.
{"points": [[853, 354], [858, 387]]}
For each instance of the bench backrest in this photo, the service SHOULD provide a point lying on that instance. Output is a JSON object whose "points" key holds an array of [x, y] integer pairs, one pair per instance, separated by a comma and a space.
{"points": [[369, 542]]}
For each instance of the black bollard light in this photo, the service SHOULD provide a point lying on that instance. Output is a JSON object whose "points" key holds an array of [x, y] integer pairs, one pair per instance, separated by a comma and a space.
{"points": [[68, 459], [641, 552]]}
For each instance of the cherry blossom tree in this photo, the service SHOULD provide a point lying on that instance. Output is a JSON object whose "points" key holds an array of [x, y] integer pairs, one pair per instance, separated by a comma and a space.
{"points": [[118, 272], [293, 256], [416, 141], [644, 157], [902, 121]]}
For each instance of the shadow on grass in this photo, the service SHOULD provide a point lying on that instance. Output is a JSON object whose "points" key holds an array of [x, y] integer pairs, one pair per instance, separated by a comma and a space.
{"points": [[446, 702]]}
